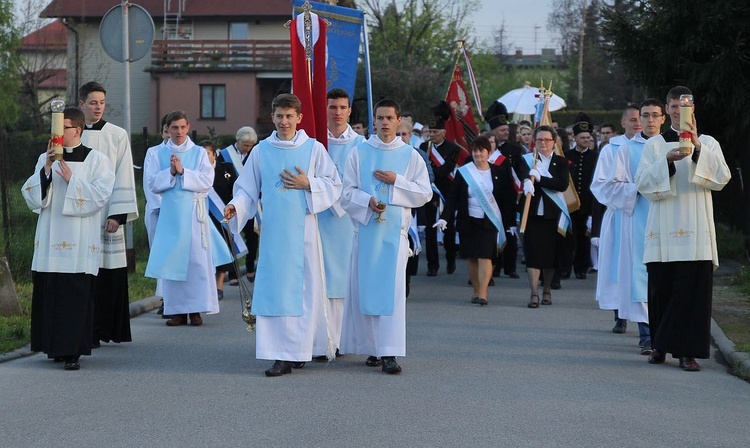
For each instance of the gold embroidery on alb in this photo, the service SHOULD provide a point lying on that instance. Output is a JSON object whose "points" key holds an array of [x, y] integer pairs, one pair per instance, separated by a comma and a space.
{"points": [[682, 233], [80, 200], [64, 246], [653, 236], [94, 248]]}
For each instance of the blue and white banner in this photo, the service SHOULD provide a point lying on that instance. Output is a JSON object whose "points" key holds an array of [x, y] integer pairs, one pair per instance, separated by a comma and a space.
{"points": [[344, 37]]}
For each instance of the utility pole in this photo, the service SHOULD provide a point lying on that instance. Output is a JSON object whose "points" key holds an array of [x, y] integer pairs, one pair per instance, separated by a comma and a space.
{"points": [[580, 51]]}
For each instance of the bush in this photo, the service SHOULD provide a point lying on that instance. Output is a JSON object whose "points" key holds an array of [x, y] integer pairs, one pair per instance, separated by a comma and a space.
{"points": [[730, 242]]}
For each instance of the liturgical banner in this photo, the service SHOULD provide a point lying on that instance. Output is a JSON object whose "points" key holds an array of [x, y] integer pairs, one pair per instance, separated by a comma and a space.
{"points": [[344, 37]]}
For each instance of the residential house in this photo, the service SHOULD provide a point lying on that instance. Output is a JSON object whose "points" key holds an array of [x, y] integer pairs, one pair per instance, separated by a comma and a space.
{"points": [[221, 61], [42, 69]]}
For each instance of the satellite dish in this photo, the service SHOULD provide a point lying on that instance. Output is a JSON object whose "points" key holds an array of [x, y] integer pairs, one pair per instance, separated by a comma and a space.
{"points": [[140, 32]]}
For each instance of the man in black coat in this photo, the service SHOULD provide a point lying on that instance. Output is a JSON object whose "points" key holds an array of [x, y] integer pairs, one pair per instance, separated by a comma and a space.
{"points": [[443, 155], [583, 163]]}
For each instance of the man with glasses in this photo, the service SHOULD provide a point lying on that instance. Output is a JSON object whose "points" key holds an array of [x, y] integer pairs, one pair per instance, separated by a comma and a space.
{"points": [[680, 249], [606, 132], [631, 272], [70, 195], [607, 238]]}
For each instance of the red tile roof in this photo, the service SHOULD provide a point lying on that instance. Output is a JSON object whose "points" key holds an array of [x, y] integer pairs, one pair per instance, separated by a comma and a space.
{"points": [[53, 36], [193, 8]]}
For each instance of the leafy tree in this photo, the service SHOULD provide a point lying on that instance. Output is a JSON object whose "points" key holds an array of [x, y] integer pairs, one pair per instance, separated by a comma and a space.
{"points": [[413, 48], [703, 45], [9, 41]]}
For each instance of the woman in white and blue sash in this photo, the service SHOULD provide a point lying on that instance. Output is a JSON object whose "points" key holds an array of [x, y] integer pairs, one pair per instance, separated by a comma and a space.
{"points": [[548, 215], [484, 199]]}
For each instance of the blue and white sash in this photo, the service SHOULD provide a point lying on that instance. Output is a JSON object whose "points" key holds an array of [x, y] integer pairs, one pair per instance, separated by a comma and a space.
{"points": [[379, 240], [216, 209], [557, 197], [281, 256], [639, 283], [483, 194]]}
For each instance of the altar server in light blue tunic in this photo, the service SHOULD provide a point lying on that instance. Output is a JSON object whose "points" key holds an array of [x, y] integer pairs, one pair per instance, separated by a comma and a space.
{"points": [[186, 245], [383, 180], [336, 228], [297, 180], [631, 272], [607, 282]]}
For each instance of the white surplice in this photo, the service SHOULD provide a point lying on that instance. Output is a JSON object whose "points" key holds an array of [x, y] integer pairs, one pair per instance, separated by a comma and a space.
{"points": [[113, 142], [368, 334], [68, 237], [290, 338], [602, 189], [680, 223]]}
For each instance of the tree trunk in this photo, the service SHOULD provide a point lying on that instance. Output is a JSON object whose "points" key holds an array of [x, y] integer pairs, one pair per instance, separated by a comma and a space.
{"points": [[580, 53], [9, 304]]}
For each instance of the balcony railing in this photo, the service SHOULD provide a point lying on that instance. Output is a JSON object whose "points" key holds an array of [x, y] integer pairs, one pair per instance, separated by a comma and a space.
{"points": [[273, 55]]}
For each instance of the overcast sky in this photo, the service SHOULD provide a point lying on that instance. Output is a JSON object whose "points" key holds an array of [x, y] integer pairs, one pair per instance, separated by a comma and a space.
{"points": [[525, 23]]}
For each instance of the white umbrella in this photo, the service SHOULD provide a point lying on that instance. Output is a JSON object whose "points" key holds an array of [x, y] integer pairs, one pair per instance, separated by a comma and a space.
{"points": [[524, 100]]}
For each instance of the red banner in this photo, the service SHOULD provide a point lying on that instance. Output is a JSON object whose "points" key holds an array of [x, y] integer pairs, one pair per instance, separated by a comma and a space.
{"points": [[461, 127]]}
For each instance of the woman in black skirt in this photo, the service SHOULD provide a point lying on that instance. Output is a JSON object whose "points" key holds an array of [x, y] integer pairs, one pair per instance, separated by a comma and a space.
{"points": [[542, 236], [478, 189]]}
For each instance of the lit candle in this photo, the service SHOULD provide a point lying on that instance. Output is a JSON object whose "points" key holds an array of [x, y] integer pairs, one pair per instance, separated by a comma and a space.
{"points": [[686, 121], [58, 107]]}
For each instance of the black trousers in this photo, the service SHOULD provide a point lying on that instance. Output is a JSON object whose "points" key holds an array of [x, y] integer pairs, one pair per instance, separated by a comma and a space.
{"points": [[680, 295], [431, 244], [509, 256], [577, 251]]}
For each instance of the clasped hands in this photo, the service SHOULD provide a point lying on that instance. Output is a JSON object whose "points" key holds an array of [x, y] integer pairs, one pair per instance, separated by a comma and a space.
{"points": [[175, 165]]}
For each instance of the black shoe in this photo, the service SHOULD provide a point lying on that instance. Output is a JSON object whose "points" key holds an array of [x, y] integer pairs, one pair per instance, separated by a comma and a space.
{"points": [[96, 344], [279, 368], [475, 300], [556, 285], [451, 267], [297, 364], [514, 275], [390, 365], [581, 275], [373, 361], [431, 272], [621, 326], [72, 364], [482, 302], [321, 358]]}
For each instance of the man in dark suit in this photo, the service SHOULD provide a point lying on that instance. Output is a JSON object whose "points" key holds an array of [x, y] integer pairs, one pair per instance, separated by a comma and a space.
{"points": [[583, 163], [443, 155], [496, 117]]}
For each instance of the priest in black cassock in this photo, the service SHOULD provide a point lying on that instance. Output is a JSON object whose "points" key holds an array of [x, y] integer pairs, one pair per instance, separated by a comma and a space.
{"points": [[69, 196]]}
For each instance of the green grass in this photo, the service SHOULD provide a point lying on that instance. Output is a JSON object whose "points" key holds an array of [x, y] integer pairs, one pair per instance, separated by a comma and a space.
{"points": [[15, 331]]}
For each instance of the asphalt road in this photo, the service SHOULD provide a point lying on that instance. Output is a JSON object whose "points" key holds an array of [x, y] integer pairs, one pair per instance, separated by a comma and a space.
{"points": [[501, 375]]}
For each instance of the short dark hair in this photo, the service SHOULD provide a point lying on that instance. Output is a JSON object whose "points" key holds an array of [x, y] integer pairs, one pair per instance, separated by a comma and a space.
{"points": [[337, 93], [89, 87], [676, 91], [633, 106], [176, 115], [481, 142], [164, 120], [208, 144], [546, 128], [387, 102], [286, 101], [76, 117], [653, 102], [608, 125]]}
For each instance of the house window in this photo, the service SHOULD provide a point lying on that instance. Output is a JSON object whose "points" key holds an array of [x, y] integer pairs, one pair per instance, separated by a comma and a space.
{"points": [[213, 101], [239, 31]]}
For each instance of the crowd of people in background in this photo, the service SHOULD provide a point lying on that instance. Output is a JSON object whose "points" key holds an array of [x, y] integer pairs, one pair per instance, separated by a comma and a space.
{"points": [[629, 203]]}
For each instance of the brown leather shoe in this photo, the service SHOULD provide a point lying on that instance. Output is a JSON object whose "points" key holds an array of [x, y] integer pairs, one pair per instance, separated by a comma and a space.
{"points": [[177, 320], [196, 320], [689, 364], [656, 357]]}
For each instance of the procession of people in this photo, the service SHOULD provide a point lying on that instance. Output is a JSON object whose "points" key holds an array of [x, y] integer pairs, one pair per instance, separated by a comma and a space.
{"points": [[351, 220]]}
